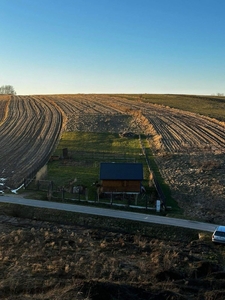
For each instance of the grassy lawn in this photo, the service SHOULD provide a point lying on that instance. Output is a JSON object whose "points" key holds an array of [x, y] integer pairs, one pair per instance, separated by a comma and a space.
{"points": [[211, 106], [98, 142], [165, 188], [86, 152]]}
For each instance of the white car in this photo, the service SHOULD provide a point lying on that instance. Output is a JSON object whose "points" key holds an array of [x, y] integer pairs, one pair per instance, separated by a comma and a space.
{"points": [[218, 235], [1, 193]]}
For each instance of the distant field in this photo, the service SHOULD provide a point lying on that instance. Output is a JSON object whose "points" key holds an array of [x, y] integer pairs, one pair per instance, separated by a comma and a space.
{"points": [[211, 106]]}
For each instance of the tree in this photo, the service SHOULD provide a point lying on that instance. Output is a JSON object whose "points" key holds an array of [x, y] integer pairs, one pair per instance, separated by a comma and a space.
{"points": [[7, 90]]}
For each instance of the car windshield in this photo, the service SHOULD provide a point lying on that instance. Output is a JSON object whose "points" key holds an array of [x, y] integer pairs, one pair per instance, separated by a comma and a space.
{"points": [[220, 233]]}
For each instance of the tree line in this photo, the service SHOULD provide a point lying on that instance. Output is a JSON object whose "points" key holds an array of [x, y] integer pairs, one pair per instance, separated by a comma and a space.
{"points": [[7, 90]]}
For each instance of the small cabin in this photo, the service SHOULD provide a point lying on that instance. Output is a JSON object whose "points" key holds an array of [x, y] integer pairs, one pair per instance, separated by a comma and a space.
{"points": [[121, 177]]}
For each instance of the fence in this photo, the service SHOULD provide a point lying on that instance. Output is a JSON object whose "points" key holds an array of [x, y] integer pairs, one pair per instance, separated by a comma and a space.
{"points": [[103, 156], [155, 181]]}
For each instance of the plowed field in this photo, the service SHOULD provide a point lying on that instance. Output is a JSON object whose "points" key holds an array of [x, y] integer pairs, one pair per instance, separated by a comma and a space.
{"points": [[30, 130], [189, 148], [42, 260]]}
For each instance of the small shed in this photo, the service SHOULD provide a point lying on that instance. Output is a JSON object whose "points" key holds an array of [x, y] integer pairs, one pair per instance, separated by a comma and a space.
{"points": [[121, 177]]}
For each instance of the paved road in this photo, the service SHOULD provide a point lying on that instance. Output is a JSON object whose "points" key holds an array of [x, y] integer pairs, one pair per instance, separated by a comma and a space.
{"points": [[111, 213]]}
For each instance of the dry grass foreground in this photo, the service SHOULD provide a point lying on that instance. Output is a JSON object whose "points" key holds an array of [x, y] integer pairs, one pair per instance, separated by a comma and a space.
{"points": [[41, 260]]}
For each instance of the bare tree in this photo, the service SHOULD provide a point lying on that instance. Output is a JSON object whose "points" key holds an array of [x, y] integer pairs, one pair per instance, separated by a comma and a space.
{"points": [[7, 90]]}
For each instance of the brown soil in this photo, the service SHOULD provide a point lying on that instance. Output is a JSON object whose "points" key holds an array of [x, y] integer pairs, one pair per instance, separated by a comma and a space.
{"points": [[47, 261], [189, 148], [40, 260], [197, 183]]}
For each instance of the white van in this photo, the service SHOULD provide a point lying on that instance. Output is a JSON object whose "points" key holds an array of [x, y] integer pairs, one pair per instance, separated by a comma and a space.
{"points": [[218, 235]]}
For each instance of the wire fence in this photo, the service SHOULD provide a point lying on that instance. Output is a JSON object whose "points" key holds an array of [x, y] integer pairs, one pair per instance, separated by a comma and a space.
{"points": [[154, 180]]}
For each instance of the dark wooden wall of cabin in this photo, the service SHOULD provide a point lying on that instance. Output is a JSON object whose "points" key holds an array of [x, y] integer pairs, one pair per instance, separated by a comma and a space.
{"points": [[121, 185]]}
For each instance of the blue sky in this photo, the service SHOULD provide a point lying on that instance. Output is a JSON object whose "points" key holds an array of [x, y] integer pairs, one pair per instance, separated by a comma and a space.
{"points": [[113, 46]]}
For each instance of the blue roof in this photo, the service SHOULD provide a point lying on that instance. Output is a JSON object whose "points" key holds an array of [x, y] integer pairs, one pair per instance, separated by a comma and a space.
{"points": [[121, 171]]}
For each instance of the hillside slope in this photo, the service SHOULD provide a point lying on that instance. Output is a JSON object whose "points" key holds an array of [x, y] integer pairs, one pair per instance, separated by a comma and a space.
{"points": [[189, 148]]}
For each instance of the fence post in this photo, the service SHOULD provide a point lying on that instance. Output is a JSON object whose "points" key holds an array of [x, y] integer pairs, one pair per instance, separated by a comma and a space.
{"points": [[157, 205], [111, 198], [63, 191]]}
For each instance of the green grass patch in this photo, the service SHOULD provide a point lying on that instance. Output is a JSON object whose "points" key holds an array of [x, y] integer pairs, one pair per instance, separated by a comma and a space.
{"points": [[97, 142], [165, 188], [88, 150], [211, 106]]}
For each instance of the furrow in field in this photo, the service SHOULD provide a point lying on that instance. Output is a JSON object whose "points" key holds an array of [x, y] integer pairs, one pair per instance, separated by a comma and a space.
{"points": [[31, 127], [184, 135], [214, 135], [180, 131], [28, 136], [91, 113], [4, 102], [84, 104], [196, 128]]}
